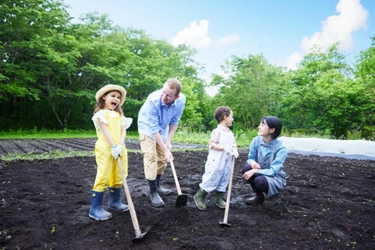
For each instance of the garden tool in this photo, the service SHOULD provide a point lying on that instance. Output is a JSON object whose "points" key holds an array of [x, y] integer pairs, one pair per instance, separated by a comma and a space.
{"points": [[138, 234], [181, 198], [225, 221]]}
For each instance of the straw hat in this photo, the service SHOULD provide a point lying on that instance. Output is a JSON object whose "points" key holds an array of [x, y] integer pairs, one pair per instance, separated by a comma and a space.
{"points": [[111, 87]]}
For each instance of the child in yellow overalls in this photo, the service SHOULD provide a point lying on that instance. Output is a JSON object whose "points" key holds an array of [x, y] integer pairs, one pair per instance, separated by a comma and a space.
{"points": [[110, 124]]}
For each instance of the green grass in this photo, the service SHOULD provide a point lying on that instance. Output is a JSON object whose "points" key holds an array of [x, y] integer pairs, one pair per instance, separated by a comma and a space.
{"points": [[243, 139], [46, 134], [57, 154], [53, 134]]}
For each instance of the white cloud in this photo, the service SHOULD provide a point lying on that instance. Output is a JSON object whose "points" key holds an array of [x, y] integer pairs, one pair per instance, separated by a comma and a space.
{"points": [[336, 28], [226, 40], [212, 90], [339, 28], [196, 35], [293, 60]]}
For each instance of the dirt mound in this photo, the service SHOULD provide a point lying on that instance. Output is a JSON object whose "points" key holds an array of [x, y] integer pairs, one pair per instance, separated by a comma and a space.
{"points": [[328, 204]]}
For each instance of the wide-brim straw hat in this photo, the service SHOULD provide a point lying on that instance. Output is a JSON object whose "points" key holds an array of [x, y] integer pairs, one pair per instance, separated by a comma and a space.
{"points": [[109, 88]]}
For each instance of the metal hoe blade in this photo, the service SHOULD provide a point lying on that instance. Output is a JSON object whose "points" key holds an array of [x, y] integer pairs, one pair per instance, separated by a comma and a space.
{"points": [[181, 198], [139, 235]]}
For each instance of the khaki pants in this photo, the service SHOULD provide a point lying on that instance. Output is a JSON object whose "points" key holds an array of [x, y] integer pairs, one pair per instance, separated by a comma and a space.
{"points": [[154, 161]]}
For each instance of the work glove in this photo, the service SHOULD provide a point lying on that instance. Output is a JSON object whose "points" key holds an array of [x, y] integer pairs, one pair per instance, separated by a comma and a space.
{"points": [[119, 149], [235, 153], [115, 152], [228, 151]]}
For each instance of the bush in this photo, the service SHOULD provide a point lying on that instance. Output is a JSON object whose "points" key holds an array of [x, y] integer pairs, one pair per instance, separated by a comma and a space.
{"points": [[368, 133]]}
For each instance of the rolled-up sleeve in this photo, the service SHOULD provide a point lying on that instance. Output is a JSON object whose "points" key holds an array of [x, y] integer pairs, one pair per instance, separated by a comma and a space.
{"points": [[214, 140]]}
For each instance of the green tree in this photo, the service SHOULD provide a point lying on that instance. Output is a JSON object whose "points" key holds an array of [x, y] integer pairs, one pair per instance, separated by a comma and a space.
{"points": [[324, 97], [51, 69], [252, 89], [366, 74], [34, 45]]}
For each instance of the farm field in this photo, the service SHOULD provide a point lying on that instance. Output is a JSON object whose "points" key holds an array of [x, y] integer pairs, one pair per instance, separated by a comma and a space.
{"points": [[329, 203]]}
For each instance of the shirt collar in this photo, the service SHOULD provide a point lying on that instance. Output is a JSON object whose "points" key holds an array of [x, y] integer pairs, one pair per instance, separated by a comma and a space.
{"points": [[223, 128], [167, 104], [269, 144]]}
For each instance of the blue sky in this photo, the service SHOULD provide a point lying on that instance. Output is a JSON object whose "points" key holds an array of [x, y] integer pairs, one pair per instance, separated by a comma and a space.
{"points": [[281, 30]]}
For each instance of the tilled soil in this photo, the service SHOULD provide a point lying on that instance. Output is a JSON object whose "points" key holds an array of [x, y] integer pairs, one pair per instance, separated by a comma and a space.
{"points": [[329, 203]]}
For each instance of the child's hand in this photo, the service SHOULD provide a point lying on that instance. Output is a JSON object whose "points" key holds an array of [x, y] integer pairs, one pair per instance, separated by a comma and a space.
{"points": [[115, 153], [228, 151], [235, 153], [119, 148], [231, 152]]}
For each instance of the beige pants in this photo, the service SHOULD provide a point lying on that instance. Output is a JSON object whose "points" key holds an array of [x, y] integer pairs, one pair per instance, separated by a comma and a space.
{"points": [[154, 161]]}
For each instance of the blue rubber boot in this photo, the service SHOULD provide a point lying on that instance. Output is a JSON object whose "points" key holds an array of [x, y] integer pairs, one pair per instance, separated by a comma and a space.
{"points": [[97, 211], [114, 201]]}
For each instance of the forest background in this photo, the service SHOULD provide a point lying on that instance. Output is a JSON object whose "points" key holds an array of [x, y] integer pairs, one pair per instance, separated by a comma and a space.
{"points": [[51, 68]]}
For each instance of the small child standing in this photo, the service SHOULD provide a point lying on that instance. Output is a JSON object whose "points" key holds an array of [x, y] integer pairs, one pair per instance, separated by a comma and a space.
{"points": [[219, 160], [110, 124]]}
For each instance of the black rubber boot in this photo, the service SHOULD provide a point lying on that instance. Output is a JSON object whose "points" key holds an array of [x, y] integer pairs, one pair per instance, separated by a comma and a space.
{"points": [[259, 196], [162, 191], [156, 200], [257, 199], [199, 199], [97, 211], [114, 201]]}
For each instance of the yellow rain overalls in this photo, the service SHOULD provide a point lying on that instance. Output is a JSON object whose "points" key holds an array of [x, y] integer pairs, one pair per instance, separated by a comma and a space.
{"points": [[108, 172]]}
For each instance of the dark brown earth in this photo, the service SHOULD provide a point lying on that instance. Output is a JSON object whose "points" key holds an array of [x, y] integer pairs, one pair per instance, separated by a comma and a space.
{"points": [[329, 203]]}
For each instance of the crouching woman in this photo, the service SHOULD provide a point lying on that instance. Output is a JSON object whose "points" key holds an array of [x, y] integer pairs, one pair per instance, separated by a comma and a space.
{"points": [[264, 168]]}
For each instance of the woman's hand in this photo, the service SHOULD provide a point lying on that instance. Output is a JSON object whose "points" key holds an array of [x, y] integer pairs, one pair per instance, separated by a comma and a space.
{"points": [[255, 165], [247, 175]]}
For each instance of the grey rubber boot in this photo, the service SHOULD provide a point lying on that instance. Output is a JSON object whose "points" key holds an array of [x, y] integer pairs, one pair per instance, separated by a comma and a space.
{"points": [[97, 211], [199, 199], [156, 200], [114, 201], [162, 191], [219, 201]]}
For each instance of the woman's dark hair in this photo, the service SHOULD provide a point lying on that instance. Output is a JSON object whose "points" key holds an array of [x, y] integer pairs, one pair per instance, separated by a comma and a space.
{"points": [[221, 112], [273, 122]]}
